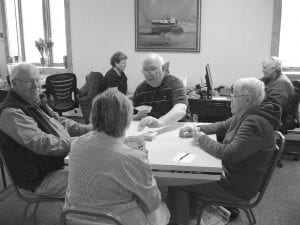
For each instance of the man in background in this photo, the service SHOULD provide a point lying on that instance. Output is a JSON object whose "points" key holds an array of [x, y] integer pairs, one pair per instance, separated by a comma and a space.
{"points": [[279, 89], [37, 138], [162, 91]]}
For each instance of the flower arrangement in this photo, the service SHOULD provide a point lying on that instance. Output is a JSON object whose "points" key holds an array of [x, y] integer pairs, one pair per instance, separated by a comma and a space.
{"points": [[44, 46]]}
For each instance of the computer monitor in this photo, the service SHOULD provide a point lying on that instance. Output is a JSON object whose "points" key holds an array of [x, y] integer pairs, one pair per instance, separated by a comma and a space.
{"points": [[208, 80]]}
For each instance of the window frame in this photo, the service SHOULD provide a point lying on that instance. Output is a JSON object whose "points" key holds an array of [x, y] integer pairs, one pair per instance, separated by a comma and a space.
{"points": [[274, 51], [47, 32]]}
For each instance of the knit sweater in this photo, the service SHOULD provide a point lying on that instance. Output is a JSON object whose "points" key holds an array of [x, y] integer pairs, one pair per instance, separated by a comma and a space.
{"points": [[246, 149]]}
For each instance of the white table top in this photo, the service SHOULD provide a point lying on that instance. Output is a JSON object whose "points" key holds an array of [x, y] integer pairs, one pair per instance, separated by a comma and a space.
{"points": [[167, 144]]}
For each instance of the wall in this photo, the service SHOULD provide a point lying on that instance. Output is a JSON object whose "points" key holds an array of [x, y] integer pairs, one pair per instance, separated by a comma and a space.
{"points": [[235, 37], [3, 69]]}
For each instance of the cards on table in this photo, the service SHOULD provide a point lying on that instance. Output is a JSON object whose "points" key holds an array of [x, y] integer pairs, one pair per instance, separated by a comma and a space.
{"points": [[144, 108]]}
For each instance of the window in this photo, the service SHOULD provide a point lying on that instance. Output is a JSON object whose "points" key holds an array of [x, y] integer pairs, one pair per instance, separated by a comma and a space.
{"points": [[30, 20], [289, 44]]}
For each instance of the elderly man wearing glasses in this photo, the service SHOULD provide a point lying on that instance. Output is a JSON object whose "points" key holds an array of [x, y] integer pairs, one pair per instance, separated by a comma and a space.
{"points": [[245, 152], [165, 93], [37, 138]]}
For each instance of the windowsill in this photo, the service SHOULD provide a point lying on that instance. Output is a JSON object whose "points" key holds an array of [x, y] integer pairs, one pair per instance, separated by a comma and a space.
{"points": [[292, 75], [53, 70]]}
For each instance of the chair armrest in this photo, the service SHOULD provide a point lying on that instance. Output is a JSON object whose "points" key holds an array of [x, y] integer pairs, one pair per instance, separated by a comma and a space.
{"points": [[76, 91], [89, 212]]}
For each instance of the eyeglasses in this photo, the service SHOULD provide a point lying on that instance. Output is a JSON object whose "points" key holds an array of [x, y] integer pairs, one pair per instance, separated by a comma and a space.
{"points": [[32, 81], [237, 96], [150, 70]]}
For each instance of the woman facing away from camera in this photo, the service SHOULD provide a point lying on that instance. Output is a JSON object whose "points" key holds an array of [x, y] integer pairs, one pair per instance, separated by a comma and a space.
{"points": [[107, 175]]}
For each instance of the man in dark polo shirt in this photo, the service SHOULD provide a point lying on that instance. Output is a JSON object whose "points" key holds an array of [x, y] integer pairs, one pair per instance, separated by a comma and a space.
{"points": [[162, 91]]}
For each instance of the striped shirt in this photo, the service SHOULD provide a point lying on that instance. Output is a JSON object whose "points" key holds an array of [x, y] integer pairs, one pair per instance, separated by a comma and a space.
{"points": [[106, 175], [162, 98]]}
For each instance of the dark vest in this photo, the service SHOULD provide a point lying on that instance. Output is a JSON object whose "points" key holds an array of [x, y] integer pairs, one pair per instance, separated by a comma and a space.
{"points": [[27, 168]]}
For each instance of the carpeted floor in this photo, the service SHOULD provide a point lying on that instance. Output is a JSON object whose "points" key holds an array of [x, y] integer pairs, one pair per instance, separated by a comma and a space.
{"points": [[280, 205]]}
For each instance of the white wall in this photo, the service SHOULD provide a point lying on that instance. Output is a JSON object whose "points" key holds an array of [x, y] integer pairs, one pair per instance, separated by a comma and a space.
{"points": [[3, 69], [235, 37]]}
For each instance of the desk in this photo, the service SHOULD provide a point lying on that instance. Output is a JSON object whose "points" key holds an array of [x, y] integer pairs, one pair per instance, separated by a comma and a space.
{"points": [[210, 110], [164, 148]]}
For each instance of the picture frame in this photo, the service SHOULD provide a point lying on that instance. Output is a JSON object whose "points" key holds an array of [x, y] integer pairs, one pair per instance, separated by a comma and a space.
{"points": [[167, 25]]}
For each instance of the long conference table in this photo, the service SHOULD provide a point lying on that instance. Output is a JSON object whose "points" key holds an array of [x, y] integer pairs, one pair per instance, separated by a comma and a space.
{"points": [[165, 152]]}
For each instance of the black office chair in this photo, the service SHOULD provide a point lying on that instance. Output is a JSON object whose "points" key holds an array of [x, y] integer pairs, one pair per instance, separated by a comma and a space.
{"points": [[107, 218], [21, 194], [59, 90], [247, 205]]}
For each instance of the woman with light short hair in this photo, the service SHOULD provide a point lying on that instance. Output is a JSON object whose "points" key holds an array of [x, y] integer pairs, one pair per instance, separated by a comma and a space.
{"points": [[106, 174], [245, 152]]}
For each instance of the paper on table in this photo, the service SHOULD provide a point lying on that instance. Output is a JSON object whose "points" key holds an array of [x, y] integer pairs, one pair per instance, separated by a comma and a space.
{"points": [[187, 159]]}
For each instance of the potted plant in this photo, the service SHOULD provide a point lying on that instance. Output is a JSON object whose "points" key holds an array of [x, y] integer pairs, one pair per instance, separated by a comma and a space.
{"points": [[44, 46]]}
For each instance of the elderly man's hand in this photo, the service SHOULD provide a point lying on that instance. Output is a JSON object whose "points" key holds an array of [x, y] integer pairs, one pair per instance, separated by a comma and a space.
{"points": [[140, 115], [149, 121]]}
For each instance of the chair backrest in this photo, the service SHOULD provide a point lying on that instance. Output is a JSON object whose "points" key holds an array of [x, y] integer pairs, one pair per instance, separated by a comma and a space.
{"points": [[107, 218], [280, 140], [296, 101], [61, 87], [14, 185]]}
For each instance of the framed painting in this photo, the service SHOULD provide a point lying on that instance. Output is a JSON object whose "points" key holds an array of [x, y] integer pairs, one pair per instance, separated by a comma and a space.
{"points": [[167, 25]]}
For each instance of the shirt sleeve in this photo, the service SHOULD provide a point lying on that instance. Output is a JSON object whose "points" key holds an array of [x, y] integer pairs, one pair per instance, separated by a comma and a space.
{"points": [[139, 180], [248, 139], [216, 128], [178, 92], [74, 129], [110, 80], [279, 94], [24, 130]]}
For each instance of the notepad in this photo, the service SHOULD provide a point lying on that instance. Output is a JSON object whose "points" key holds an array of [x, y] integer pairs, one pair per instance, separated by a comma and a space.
{"points": [[188, 159]]}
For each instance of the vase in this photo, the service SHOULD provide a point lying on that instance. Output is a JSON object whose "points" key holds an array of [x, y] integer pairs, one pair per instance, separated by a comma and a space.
{"points": [[44, 62]]}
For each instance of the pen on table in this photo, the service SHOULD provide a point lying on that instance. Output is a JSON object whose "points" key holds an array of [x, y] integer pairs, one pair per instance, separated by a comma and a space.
{"points": [[185, 155]]}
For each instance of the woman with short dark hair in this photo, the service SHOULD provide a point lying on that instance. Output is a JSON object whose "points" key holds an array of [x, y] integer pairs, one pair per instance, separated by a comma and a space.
{"points": [[115, 77], [106, 174]]}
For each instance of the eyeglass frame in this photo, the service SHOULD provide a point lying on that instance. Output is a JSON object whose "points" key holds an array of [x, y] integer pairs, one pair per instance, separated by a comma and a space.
{"points": [[31, 81], [151, 70]]}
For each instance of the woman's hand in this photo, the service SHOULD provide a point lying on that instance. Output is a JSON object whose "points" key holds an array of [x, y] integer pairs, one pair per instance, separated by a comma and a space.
{"points": [[188, 131], [197, 135]]}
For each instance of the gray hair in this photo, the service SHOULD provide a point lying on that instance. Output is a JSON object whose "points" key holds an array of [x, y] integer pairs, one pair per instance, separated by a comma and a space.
{"points": [[21, 69], [275, 62], [252, 87], [154, 57], [111, 112]]}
